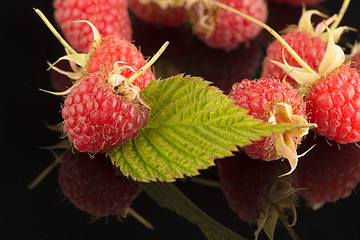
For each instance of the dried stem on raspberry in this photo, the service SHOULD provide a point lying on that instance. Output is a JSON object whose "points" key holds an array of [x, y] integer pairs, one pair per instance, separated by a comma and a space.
{"points": [[72, 56], [271, 31], [56, 33], [131, 79], [340, 14]]}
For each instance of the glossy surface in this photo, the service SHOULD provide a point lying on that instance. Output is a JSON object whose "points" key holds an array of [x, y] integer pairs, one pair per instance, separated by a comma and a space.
{"points": [[44, 213]]}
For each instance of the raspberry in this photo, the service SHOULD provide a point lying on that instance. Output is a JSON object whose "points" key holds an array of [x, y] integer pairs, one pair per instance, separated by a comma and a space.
{"points": [[110, 17], [308, 44], [333, 103], [299, 2], [113, 49], [262, 98], [92, 185], [310, 48], [102, 55], [104, 109], [97, 118], [153, 13], [249, 186], [328, 172], [332, 90], [220, 28]]}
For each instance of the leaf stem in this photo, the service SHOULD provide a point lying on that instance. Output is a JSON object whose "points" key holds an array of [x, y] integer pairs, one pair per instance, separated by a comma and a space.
{"points": [[271, 31], [56, 33]]}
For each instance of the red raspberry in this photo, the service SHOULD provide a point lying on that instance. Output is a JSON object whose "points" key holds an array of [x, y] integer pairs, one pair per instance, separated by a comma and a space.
{"points": [[260, 97], [310, 48], [97, 118], [333, 103], [153, 13], [104, 108], [102, 55], [281, 16], [249, 185], [92, 185], [220, 28], [328, 172], [109, 16], [309, 42], [113, 49], [298, 2]]}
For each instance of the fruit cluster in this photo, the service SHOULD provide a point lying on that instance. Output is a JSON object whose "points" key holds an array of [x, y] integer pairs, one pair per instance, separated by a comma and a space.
{"points": [[306, 78], [215, 26]]}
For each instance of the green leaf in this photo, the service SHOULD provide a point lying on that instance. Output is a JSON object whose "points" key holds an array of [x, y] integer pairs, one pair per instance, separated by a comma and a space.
{"points": [[169, 196], [191, 124]]}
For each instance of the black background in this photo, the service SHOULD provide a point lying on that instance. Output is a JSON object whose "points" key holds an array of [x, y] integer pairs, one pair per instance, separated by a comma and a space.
{"points": [[44, 213]]}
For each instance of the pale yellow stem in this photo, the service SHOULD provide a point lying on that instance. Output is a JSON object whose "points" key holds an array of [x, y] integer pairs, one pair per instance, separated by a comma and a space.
{"points": [[271, 31], [131, 79], [56, 33], [340, 14]]}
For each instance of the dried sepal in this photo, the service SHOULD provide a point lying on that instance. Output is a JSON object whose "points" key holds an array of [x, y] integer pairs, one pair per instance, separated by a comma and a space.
{"points": [[334, 57], [284, 144], [97, 37], [305, 23], [300, 75], [201, 15], [336, 33]]}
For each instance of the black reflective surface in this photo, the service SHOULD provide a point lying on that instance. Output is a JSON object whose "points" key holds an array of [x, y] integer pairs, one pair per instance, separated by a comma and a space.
{"points": [[44, 213]]}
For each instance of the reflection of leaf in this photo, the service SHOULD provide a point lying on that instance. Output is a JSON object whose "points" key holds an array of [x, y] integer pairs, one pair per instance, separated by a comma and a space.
{"points": [[190, 125], [167, 195]]}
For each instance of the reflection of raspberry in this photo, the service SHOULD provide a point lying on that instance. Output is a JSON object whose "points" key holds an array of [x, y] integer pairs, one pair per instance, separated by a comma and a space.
{"points": [[328, 172], [110, 17], [246, 183], [221, 67], [250, 185], [153, 13], [91, 184], [97, 119]]}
